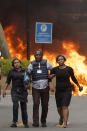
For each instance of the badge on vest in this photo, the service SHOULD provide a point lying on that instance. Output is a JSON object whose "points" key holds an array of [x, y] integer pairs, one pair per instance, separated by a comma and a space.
{"points": [[39, 71]]}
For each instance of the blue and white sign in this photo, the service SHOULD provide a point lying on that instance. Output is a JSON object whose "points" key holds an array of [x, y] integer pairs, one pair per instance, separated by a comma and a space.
{"points": [[43, 32]]}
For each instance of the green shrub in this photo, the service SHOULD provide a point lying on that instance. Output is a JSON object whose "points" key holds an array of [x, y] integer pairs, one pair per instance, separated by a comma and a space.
{"points": [[7, 65], [25, 63]]}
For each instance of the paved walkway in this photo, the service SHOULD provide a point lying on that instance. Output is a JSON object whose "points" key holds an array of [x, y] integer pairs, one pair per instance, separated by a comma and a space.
{"points": [[77, 118]]}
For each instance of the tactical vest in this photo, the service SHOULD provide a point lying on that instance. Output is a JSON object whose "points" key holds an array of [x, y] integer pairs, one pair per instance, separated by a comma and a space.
{"points": [[43, 68]]}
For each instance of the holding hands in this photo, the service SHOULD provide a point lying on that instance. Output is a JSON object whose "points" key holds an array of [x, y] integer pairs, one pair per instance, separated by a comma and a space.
{"points": [[27, 86]]}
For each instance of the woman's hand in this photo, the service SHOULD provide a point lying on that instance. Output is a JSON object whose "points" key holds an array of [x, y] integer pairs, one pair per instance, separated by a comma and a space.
{"points": [[4, 93], [51, 76], [80, 88]]}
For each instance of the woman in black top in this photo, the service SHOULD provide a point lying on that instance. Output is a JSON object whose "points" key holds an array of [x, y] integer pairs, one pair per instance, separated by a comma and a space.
{"points": [[63, 91], [18, 92]]}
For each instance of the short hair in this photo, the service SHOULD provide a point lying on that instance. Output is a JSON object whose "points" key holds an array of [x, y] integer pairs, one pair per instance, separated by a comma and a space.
{"points": [[60, 56], [39, 51], [14, 61]]}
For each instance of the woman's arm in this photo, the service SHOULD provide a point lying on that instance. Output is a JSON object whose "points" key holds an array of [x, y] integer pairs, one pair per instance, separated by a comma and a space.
{"points": [[75, 80], [7, 83], [52, 73]]}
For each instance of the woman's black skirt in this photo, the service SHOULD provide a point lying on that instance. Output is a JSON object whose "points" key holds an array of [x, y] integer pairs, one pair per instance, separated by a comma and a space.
{"points": [[63, 98]]}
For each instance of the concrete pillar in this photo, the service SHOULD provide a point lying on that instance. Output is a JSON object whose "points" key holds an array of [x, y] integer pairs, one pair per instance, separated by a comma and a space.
{"points": [[3, 45]]}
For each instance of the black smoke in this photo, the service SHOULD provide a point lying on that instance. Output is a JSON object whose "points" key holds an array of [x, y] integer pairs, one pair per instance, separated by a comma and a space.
{"points": [[69, 18]]}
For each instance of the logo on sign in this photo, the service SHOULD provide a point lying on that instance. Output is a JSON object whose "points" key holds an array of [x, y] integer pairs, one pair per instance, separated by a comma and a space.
{"points": [[43, 27]]}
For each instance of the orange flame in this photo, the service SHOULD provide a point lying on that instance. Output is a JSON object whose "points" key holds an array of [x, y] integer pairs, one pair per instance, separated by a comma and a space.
{"points": [[15, 44], [74, 59], [77, 62]]}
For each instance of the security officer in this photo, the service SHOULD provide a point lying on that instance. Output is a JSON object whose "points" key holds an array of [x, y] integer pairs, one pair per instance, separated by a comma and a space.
{"points": [[18, 92], [38, 70]]}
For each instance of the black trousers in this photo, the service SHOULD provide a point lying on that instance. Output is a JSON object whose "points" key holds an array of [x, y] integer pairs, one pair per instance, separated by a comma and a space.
{"points": [[43, 95], [23, 111]]}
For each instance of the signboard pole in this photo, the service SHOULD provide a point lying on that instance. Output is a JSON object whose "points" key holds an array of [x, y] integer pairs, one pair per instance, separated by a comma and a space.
{"points": [[42, 48], [27, 28]]}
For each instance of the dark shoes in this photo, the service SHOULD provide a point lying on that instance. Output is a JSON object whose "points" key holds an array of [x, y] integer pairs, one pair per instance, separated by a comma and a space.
{"points": [[13, 125], [35, 125], [44, 125], [26, 126]]}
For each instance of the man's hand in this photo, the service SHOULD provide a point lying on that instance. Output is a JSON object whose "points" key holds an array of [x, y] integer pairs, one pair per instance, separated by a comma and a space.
{"points": [[27, 86]]}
